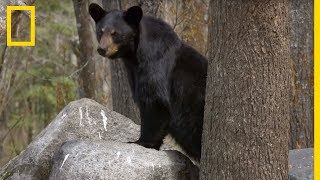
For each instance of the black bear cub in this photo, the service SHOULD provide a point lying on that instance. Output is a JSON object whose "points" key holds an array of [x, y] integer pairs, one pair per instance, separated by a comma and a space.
{"points": [[167, 77]]}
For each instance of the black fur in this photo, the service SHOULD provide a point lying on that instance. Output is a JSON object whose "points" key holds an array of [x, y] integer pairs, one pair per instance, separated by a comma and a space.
{"points": [[167, 77]]}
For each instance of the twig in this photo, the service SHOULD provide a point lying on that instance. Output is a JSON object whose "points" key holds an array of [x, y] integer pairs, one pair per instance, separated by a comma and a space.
{"points": [[78, 70]]}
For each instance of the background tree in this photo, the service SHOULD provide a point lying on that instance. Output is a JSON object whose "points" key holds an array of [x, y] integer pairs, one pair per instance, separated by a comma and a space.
{"points": [[122, 100], [246, 119], [93, 69], [86, 49], [301, 46]]}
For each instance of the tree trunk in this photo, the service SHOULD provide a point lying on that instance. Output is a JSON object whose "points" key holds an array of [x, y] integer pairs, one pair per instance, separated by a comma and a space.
{"points": [[152, 8], [301, 122], [246, 119], [149, 7], [86, 63], [122, 100]]}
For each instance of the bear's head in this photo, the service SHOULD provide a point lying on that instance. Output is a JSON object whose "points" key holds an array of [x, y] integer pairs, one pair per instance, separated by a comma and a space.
{"points": [[117, 31]]}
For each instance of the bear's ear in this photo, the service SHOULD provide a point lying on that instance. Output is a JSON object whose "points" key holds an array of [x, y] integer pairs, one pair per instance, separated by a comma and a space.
{"points": [[133, 15], [96, 12]]}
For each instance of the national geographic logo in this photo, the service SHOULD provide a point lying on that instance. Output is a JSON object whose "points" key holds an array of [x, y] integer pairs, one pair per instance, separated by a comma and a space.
{"points": [[31, 42]]}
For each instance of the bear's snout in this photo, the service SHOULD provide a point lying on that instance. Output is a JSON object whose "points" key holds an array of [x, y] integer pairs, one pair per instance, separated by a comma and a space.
{"points": [[102, 52], [110, 52]]}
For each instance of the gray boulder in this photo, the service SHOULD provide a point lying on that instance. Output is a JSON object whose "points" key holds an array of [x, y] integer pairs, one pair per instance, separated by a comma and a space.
{"points": [[84, 119], [301, 164], [88, 129], [119, 161]]}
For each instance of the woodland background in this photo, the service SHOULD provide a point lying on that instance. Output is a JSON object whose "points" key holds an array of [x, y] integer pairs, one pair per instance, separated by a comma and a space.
{"points": [[37, 82]]}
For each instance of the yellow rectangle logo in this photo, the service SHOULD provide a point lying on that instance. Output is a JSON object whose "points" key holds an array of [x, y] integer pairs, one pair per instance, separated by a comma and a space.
{"points": [[32, 10]]}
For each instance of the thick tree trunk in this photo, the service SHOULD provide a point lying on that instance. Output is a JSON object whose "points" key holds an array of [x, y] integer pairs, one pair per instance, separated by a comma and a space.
{"points": [[301, 122], [246, 120], [86, 63]]}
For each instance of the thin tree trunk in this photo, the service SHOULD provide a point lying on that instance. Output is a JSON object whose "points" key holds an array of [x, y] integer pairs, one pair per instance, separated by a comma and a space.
{"points": [[246, 119], [301, 122], [86, 64], [122, 101]]}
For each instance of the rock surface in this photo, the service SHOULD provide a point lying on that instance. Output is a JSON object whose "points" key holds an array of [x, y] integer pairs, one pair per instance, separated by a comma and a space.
{"points": [[84, 119], [119, 161], [301, 164], [89, 130]]}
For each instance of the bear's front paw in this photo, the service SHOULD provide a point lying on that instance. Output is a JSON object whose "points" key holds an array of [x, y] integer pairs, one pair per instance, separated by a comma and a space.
{"points": [[147, 144]]}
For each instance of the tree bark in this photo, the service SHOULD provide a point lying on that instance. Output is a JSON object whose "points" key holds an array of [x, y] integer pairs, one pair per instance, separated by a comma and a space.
{"points": [[301, 122], [246, 119], [149, 7], [86, 63], [122, 101], [152, 8]]}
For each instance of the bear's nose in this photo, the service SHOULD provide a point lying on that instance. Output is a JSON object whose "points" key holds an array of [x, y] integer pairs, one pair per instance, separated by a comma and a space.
{"points": [[101, 51]]}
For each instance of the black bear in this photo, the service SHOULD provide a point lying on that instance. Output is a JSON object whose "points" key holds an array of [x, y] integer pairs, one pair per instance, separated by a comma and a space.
{"points": [[167, 77]]}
